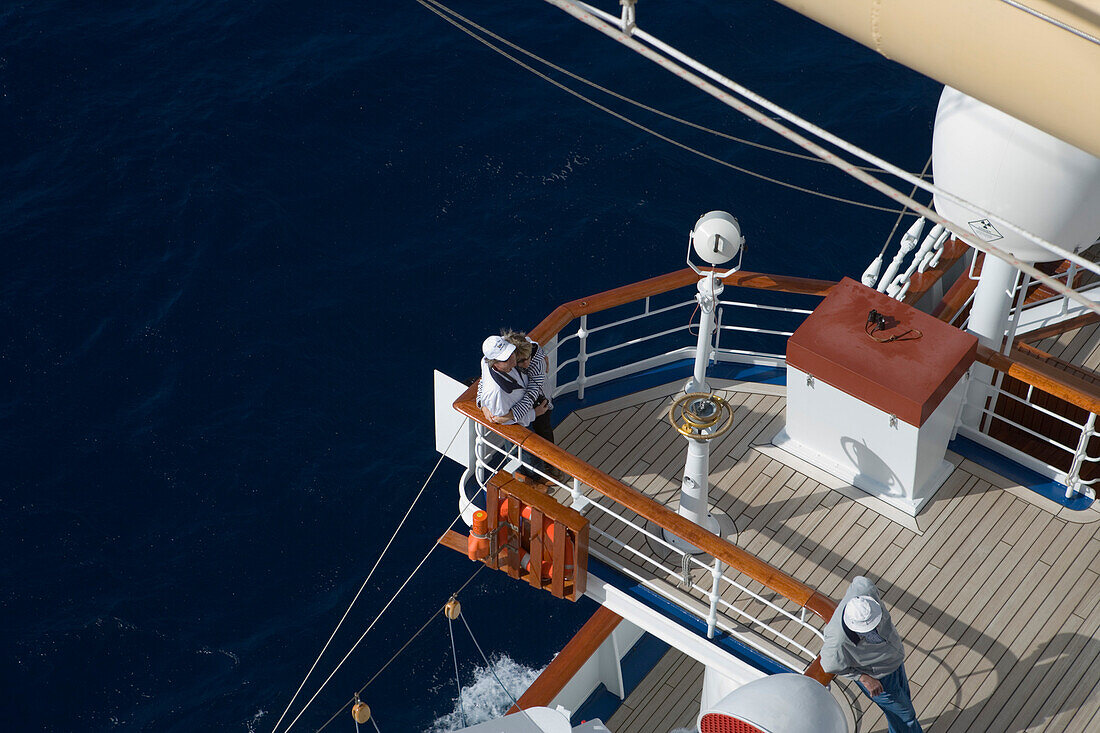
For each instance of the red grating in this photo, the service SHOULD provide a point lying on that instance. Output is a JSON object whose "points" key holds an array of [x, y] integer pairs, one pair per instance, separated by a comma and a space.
{"points": [[716, 723]]}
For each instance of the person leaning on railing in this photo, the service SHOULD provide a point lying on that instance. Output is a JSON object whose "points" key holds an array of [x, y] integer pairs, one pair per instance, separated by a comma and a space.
{"points": [[862, 644], [531, 360], [501, 391]]}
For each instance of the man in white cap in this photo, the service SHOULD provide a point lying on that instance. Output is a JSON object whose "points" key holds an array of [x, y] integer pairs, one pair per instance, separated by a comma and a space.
{"points": [[502, 386], [862, 644]]}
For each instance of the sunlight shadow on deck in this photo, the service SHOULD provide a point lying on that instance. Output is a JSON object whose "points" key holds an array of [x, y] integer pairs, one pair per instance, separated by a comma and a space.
{"points": [[1000, 614]]}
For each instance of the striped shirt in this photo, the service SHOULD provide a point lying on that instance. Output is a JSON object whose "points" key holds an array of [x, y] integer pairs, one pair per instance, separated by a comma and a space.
{"points": [[523, 411]]}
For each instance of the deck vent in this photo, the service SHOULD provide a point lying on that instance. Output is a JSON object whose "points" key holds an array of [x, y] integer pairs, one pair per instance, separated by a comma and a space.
{"points": [[778, 703], [717, 723]]}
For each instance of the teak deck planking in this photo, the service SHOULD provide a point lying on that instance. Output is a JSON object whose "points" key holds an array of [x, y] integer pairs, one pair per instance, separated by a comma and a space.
{"points": [[997, 598]]}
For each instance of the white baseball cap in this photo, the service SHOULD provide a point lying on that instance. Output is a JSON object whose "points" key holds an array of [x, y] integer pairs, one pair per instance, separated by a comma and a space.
{"points": [[862, 614], [497, 348]]}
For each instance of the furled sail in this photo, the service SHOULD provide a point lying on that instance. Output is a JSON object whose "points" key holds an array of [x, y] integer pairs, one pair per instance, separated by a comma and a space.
{"points": [[1037, 60]]}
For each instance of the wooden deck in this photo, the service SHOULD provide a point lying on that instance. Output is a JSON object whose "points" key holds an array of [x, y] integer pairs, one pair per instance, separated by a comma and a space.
{"points": [[667, 699], [1079, 346], [995, 590]]}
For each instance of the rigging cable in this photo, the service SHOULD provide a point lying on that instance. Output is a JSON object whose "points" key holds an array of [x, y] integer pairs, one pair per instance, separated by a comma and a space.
{"points": [[432, 6], [852, 170], [383, 611], [624, 98], [366, 581], [511, 697], [404, 646], [912, 193], [454, 656], [1053, 21], [609, 26]]}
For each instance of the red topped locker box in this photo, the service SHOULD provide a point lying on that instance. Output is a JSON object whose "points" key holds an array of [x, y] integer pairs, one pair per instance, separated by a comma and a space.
{"points": [[873, 397]]}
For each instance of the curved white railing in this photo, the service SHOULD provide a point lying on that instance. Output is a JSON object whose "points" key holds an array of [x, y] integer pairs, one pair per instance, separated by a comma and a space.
{"points": [[726, 606], [627, 337]]}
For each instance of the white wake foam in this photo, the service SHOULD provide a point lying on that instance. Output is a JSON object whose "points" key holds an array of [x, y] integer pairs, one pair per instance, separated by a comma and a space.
{"points": [[482, 698]]}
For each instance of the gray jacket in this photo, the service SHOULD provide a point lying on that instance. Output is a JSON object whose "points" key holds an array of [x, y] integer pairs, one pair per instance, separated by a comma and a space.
{"points": [[840, 655]]}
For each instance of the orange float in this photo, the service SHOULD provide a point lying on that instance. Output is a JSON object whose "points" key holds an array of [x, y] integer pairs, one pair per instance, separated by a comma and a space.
{"points": [[477, 544], [548, 554]]}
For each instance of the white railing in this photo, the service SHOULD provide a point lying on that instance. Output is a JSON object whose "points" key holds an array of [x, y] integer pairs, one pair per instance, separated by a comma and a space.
{"points": [[646, 328], [647, 336], [1076, 452], [766, 631]]}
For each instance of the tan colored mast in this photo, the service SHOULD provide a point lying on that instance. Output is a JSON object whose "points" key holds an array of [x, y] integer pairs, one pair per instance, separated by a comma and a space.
{"points": [[1028, 67]]}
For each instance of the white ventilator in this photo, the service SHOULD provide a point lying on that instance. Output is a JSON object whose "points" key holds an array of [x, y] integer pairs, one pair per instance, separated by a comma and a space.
{"points": [[779, 703]]}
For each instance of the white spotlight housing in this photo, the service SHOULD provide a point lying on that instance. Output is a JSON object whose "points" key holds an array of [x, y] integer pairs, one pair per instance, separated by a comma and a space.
{"points": [[717, 237]]}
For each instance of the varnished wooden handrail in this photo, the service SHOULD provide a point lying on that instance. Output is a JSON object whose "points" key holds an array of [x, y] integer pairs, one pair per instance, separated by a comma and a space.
{"points": [[733, 556], [563, 314], [570, 659], [649, 509], [1057, 329], [1065, 367], [743, 562], [1043, 376]]}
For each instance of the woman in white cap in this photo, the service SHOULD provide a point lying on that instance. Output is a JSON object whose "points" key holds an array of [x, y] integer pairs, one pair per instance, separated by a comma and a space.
{"points": [[862, 644]]}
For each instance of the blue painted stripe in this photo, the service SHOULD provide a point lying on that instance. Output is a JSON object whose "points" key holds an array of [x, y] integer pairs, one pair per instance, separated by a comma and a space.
{"points": [[1041, 485], [657, 376], [687, 620], [636, 664]]}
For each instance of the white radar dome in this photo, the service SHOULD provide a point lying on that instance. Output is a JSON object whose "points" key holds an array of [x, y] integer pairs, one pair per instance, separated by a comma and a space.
{"points": [[1036, 181], [778, 703], [717, 237]]}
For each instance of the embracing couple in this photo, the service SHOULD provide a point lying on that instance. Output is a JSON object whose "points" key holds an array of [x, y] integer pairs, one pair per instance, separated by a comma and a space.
{"points": [[513, 369]]}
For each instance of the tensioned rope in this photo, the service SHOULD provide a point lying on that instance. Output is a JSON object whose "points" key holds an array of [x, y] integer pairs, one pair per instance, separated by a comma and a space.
{"points": [[890, 236], [591, 16], [494, 673], [404, 646], [367, 580], [441, 11], [609, 26], [1053, 21], [381, 613], [389, 603], [458, 684], [624, 98]]}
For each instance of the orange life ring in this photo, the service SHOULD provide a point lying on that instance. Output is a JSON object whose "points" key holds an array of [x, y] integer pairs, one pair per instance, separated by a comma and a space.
{"points": [[548, 553]]}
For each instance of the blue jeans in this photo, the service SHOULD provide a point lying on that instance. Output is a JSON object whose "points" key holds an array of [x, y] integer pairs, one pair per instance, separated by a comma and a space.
{"points": [[896, 702]]}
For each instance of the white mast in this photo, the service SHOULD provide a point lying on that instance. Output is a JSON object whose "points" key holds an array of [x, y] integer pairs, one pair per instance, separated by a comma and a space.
{"points": [[698, 414]]}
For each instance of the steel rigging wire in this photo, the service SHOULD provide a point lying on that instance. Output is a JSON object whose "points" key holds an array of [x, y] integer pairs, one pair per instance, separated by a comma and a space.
{"points": [[663, 55], [442, 11], [363, 586]]}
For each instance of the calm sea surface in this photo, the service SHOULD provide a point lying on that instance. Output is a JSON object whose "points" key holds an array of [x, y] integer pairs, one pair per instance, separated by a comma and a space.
{"points": [[237, 239]]}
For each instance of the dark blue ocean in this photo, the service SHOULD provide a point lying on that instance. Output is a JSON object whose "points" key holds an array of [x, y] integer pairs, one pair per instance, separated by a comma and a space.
{"points": [[238, 237]]}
